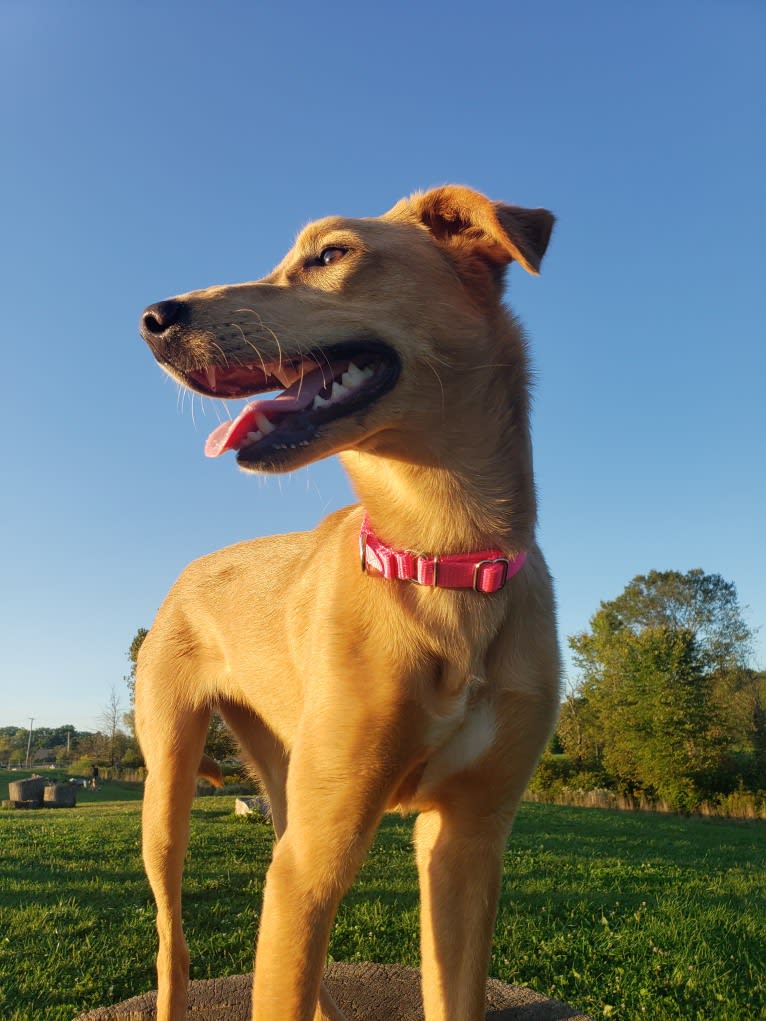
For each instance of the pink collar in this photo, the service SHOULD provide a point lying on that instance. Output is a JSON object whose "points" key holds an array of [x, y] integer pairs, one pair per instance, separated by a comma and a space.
{"points": [[485, 571]]}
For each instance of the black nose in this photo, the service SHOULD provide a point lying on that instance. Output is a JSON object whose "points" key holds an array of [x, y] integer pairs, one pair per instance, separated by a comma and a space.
{"points": [[157, 319]]}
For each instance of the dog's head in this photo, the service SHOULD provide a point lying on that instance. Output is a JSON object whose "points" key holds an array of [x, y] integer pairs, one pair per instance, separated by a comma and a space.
{"points": [[364, 328]]}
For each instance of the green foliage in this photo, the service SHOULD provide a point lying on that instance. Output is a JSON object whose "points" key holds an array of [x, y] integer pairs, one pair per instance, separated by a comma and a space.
{"points": [[558, 773], [220, 743], [132, 759], [704, 605], [133, 650], [52, 741], [83, 766], [666, 705]]}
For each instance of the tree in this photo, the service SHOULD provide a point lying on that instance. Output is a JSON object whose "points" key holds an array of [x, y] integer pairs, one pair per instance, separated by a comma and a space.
{"points": [[657, 671], [578, 732], [111, 715], [220, 743], [133, 650], [129, 717], [704, 604], [6, 748]]}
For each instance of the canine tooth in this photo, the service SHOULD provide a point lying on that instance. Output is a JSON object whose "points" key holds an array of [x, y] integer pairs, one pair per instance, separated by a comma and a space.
{"points": [[210, 373], [320, 402], [338, 391], [264, 424]]}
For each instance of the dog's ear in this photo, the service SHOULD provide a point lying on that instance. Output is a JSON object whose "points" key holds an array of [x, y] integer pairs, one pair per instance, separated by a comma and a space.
{"points": [[461, 218]]}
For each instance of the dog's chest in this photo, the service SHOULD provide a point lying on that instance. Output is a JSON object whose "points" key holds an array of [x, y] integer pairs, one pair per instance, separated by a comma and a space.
{"points": [[460, 735]]}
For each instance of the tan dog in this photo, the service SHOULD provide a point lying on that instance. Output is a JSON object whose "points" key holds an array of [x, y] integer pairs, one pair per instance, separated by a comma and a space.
{"points": [[352, 693]]}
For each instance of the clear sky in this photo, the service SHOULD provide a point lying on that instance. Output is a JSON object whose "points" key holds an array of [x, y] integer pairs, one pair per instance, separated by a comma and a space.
{"points": [[153, 148]]}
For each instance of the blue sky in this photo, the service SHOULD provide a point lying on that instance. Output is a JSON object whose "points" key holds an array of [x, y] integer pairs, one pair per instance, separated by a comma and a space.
{"points": [[149, 149]]}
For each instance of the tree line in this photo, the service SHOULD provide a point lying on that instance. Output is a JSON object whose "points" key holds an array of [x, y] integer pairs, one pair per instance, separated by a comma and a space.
{"points": [[67, 747], [665, 704]]}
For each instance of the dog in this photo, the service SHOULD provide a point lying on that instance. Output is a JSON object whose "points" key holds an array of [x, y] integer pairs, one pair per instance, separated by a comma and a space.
{"points": [[403, 655]]}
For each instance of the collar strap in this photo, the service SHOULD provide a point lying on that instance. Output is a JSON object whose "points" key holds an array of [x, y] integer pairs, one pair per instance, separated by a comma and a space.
{"points": [[484, 571]]}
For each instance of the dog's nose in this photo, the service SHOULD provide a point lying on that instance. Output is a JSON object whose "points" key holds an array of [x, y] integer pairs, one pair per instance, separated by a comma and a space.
{"points": [[157, 319]]}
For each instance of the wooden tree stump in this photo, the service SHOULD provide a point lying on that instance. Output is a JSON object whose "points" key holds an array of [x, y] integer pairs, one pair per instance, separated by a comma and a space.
{"points": [[27, 793], [364, 992], [60, 795]]}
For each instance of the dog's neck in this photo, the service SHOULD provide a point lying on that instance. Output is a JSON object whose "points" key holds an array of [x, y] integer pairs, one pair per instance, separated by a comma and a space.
{"points": [[472, 493], [434, 510]]}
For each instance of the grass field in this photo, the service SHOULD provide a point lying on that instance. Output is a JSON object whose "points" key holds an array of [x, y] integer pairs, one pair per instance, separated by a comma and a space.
{"points": [[623, 915]]}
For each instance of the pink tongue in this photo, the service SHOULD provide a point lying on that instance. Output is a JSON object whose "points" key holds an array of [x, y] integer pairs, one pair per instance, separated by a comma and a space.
{"points": [[229, 435]]}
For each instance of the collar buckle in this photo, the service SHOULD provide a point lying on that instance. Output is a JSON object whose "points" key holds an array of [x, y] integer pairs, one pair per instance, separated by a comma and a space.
{"points": [[485, 563]]}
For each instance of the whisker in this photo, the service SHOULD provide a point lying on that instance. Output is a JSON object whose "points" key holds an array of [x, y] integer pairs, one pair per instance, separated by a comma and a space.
{"points": [[321, 368], [263, 326], [441, 387], [223, 353], [249, 343], [491, 365]]}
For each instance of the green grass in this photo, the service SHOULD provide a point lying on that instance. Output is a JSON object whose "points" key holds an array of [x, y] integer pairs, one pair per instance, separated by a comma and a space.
{"points": [[623, 915]]}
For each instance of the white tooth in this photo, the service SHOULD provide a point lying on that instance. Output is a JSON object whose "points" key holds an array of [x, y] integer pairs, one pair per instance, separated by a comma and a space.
{"points": [[320, 402], [250, 438], [353, 375], [210, 373], [368, 371], [264, 424], [338, 392]]}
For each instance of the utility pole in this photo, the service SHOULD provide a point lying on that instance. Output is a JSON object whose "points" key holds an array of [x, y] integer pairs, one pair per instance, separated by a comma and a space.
{"points": [[29, 742]]}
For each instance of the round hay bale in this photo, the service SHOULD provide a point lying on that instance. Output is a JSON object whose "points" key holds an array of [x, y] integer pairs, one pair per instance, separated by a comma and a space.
{"points": [[60, 795], [27, 791], [364, 992]]}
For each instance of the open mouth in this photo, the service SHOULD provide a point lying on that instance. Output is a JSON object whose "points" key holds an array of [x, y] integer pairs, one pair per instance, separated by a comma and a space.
{"points": [[316, 388]]}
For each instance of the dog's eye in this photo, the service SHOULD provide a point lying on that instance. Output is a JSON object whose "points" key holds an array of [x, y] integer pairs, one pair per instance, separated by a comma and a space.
{"points": [[331, 255]]}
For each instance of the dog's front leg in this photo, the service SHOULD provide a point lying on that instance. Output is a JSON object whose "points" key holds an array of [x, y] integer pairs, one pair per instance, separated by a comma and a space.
{"points": [[172, 749], [270, 761], [459, 848], [343, 766], [459, 869]]}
